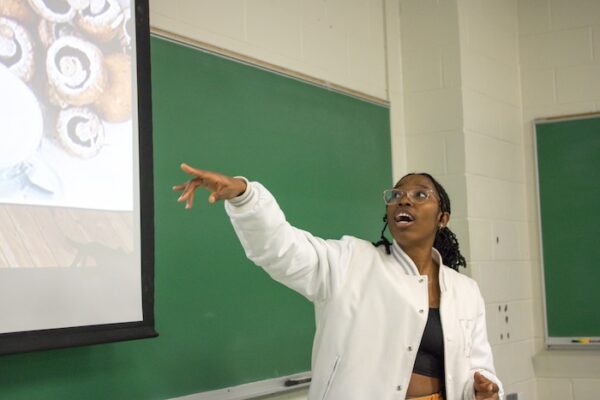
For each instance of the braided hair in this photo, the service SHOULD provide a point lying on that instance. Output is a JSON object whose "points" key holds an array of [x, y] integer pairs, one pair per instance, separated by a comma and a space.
{"points": [[445, 240], [382, 239]]}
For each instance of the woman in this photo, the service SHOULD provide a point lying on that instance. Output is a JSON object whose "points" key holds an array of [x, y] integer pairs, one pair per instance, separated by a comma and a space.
{"points": [[393, 321]]}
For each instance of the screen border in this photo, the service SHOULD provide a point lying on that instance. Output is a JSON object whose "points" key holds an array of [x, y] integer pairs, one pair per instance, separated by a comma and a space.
{"points": [[35, 340]]}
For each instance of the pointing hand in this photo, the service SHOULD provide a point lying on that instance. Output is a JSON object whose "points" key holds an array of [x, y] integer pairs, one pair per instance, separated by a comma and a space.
{"points": [[221, 187]]}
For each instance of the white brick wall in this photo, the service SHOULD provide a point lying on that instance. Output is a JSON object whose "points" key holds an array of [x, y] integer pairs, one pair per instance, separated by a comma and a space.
{"points": [[568, 389], [555, 389], [341, 42], [495, 183], [432, 99]]}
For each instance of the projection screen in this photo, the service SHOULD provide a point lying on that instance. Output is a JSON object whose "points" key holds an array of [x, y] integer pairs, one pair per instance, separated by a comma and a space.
{"points": [[76, 208]]}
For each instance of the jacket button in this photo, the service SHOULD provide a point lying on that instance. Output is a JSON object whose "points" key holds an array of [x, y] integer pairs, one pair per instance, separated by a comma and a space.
{"points": [[399, 388], [421, 311], [421, 280], [409, 348]]}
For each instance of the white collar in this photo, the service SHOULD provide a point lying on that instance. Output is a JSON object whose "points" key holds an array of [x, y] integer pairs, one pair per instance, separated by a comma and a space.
{"points": [[410, 267]]}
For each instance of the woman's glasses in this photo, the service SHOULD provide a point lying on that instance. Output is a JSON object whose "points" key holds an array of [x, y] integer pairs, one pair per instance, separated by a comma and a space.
{"points": [[417, 196]]}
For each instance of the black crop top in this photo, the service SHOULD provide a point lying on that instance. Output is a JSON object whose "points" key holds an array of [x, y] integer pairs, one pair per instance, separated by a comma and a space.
{"points": [[430, 357]]}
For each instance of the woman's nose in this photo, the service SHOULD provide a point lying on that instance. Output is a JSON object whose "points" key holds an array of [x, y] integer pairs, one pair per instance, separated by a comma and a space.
{"points": [[404, 199]]}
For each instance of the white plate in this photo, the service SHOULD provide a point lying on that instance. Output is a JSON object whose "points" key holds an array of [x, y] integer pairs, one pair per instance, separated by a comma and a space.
{"points": [[21, 124]]}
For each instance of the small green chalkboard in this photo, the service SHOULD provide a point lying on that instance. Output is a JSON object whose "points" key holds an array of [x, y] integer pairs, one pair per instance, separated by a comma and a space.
{"points": [[568, 164]]}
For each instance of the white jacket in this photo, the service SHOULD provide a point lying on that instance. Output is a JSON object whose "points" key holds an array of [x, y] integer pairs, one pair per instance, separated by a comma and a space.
{"points": [[370, 307]]}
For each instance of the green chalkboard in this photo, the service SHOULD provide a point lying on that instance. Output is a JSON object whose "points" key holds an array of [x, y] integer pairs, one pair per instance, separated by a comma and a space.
{"points": [[568, 163], [222, 321]]}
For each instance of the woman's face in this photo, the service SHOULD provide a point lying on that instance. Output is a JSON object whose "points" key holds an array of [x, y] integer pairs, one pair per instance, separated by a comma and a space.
{"points": [[414, 223]]}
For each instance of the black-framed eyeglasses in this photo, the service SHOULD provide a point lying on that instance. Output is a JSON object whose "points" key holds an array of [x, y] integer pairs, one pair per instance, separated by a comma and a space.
{"points": [[417, 196]]}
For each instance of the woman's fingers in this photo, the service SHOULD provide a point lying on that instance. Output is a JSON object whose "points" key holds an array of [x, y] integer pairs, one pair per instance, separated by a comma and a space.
{"points": [[484, 388], [189, 188], [178, 188], [206, 179], [200, 173], [221, 187], [480, 379], [217, 194], [189, 193], [190, 200]]}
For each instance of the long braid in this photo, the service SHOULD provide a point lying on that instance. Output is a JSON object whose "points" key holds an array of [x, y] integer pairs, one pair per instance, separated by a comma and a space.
{"points": [[447, 244], [383, 240], [445, 240]]}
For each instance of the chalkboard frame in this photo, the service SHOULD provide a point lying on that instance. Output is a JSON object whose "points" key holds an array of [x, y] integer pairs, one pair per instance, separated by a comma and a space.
{"points": [[555, 342], [28, 341]]}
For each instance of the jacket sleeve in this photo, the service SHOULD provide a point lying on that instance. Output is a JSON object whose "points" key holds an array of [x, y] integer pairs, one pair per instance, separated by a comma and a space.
{"points": [[307, 264], [482, 360]]}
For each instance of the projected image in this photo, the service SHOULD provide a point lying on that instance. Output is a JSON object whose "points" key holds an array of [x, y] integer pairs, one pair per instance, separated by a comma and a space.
{"points": [[66, 136], [75, 133]]}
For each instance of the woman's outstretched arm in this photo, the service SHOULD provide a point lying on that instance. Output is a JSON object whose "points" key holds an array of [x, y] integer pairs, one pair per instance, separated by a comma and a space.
{"points": [[308, 264]]}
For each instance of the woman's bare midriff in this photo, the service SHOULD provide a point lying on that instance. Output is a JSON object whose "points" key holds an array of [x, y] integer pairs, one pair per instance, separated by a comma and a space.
{"points": [[421, 385]]}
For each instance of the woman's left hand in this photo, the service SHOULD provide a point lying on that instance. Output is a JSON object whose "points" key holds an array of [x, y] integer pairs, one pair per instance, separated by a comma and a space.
{"points": [[484, 388]]}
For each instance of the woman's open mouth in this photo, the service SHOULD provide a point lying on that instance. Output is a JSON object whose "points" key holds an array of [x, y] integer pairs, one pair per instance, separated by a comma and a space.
{"points": [[404, 219]]}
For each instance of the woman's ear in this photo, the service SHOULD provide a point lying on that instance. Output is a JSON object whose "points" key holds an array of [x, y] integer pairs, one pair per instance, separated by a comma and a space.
{"points": [[444, 219]]}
